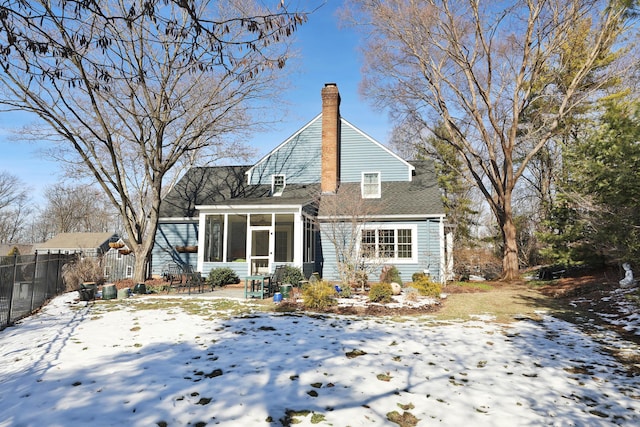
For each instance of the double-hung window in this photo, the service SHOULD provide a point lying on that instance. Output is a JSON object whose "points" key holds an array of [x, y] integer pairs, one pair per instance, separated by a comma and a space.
{"points": [[370, 185], [389, 243]]}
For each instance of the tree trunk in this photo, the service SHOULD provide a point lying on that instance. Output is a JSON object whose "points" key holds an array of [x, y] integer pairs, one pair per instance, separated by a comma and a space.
{"points": [[140, 269], [510, 266]]}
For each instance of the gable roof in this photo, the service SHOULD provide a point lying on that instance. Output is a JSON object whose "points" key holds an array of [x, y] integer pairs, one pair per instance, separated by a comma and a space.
{"points": [[299, 156], [73, 241]]}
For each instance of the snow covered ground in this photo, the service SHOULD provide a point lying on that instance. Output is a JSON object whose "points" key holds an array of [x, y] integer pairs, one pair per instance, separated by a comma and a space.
{"points": [[138, 363]]}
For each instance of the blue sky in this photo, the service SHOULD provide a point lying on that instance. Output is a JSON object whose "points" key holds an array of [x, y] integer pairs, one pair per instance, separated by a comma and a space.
{"points": [[328, 54]]}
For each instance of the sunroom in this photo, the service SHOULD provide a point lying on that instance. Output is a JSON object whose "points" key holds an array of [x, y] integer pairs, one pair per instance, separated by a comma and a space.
{"points": [[254, 240]]}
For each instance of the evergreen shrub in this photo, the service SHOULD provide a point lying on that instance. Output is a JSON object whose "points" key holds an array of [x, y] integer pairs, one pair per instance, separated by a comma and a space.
{"points": [[292, 275], [319, 295], [222, 276], [390, 274], [380, 292], [427, 287]]}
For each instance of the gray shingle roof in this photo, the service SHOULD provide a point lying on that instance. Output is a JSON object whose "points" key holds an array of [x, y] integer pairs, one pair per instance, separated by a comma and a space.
{"points": [[227, 185], [421, 196]]}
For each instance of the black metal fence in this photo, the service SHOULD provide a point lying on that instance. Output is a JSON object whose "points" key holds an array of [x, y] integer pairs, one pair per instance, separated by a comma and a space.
{"points": [[27, 282]]}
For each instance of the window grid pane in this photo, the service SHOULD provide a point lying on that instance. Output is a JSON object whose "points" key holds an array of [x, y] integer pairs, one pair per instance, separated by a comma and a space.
{"points": [[368, 243], [370, 184], [404, 243], [386, 243]]}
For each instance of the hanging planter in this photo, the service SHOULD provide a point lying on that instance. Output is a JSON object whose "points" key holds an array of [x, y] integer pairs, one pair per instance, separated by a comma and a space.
{"points": [[116, 245], [124, 251], [187, 249]]}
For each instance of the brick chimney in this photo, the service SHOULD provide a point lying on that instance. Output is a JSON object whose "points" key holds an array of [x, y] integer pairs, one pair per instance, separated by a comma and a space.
{"points": [[330, 175]]}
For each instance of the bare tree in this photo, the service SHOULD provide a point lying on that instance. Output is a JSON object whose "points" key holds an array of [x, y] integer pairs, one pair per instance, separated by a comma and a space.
{"points": [[14, 207], [341, 222], [77, 208], [133, 92], [476, 69]]}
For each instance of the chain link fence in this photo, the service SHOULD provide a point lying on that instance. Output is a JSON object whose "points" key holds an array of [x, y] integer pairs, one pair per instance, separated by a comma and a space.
{"points": [[27, 282]]}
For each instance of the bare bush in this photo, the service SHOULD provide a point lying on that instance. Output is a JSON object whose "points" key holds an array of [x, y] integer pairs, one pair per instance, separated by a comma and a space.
{"points": [[82, 270]]}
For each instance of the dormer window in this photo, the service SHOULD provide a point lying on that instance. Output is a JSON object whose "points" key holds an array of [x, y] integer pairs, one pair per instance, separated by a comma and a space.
{"points": [[277, 185], [370, 185]]}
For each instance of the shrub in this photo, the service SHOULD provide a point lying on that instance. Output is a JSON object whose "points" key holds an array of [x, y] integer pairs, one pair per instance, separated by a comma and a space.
{"points": [[380, 292], [417, 276], [346, 291], [82, 270], [390, 274], [292, 275], [426, 287], [222, 276], [319, 295]]}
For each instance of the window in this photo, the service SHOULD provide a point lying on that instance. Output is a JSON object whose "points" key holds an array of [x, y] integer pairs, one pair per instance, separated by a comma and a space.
{"points": [[284, 238], [129, 271], [214, 233], [277, 185], [309, 240], [236, 238], [370, 185], [389, 243]]}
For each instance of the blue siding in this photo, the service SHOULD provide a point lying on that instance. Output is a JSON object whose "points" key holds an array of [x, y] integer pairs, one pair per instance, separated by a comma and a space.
{"points": [[298, 158], [240, 268], [360, 154], [168, 236], [428, 256]]}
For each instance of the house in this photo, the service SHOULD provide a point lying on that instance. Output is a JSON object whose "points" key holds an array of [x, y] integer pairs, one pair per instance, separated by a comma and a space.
{"points": [[116, 257], [285, 208]]}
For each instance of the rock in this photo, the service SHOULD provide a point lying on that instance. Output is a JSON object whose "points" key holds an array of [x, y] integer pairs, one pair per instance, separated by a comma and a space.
{"points": [[396, 288]]}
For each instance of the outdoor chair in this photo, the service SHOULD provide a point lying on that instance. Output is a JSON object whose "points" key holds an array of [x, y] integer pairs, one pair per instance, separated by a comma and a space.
{"points": [[275, 281]]}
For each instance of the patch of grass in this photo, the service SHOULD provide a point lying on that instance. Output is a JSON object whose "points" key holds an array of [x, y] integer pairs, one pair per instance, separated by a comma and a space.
{"points": [[210, 308], [317, 418], [633, 297], [502, 301], [384, 377], [406, 419]]}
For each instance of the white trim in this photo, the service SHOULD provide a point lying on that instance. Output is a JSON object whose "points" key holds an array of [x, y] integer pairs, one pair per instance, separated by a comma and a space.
{"points": [[239, 209], [273, 184], [373, 218], [378, 193], [395, 227]]}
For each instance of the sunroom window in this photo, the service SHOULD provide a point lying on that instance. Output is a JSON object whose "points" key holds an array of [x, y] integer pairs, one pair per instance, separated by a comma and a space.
{"points": [[278, 185], [370, 185]]}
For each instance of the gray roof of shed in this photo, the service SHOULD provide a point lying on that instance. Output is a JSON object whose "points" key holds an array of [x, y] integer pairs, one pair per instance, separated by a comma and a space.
{"points": [[70, 241]]}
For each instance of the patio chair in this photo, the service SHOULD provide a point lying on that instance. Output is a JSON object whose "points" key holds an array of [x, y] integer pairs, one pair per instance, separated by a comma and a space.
{"points": [[275, 281]]}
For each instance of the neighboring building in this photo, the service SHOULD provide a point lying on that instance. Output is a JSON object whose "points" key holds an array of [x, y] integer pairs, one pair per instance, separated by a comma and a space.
{"points": [[22, 249], [279, 210], [116, 257]]}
